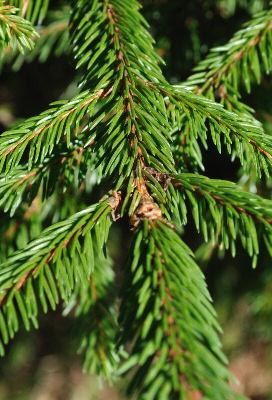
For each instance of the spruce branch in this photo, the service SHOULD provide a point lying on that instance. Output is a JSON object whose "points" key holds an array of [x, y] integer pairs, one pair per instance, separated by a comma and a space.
{"points": [[220, 77], [126, 112], [66, 166], [33, 10], [37, 136], [223, 212], [167, 316], [242, 135], [95, 321], [241, 61], [48, 268], [53, 39], [15, 31], [136, 132]]}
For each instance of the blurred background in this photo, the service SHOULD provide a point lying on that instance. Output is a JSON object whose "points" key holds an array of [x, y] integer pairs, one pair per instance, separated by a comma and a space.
{"points": [[43, 365]]}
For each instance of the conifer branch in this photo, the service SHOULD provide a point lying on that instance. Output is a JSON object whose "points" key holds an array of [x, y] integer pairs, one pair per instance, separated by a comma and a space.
{"points": [[168, 317], [33, 10], [37, 136], [15, 31], [241, 60], [66, 166], [220, 76], [136, 132], [96, 323], [222, 212], [126, 112], [48, 268], [53, 39], [242, 135]]}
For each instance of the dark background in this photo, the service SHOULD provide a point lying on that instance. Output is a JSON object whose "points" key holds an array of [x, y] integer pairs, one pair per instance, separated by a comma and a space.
{"points": [[42, 365]]}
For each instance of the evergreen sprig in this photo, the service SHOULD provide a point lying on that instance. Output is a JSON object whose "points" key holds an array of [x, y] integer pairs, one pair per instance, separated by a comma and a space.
{"points": [[96, 322], [220, 77], [223, 212], [242, 60], [167, 315], [53, 39], [33, 10], [109, 59], [125, 120], [242, 136], [48, 268], [15, 31], [70, 166], [37, 136]]}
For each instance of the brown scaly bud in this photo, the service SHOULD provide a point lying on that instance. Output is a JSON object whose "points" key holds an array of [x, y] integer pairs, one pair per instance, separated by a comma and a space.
{"points": [[171, 320], [114, 202], [147, 209]]}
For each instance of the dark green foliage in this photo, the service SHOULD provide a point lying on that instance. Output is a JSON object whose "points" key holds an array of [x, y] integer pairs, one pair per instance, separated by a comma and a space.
{"points": [[167, 315], [46, 270], [138, 134], [229, 212], [52, 38], [33, 10], [14, 30], [96, 321], [242, 60]]}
